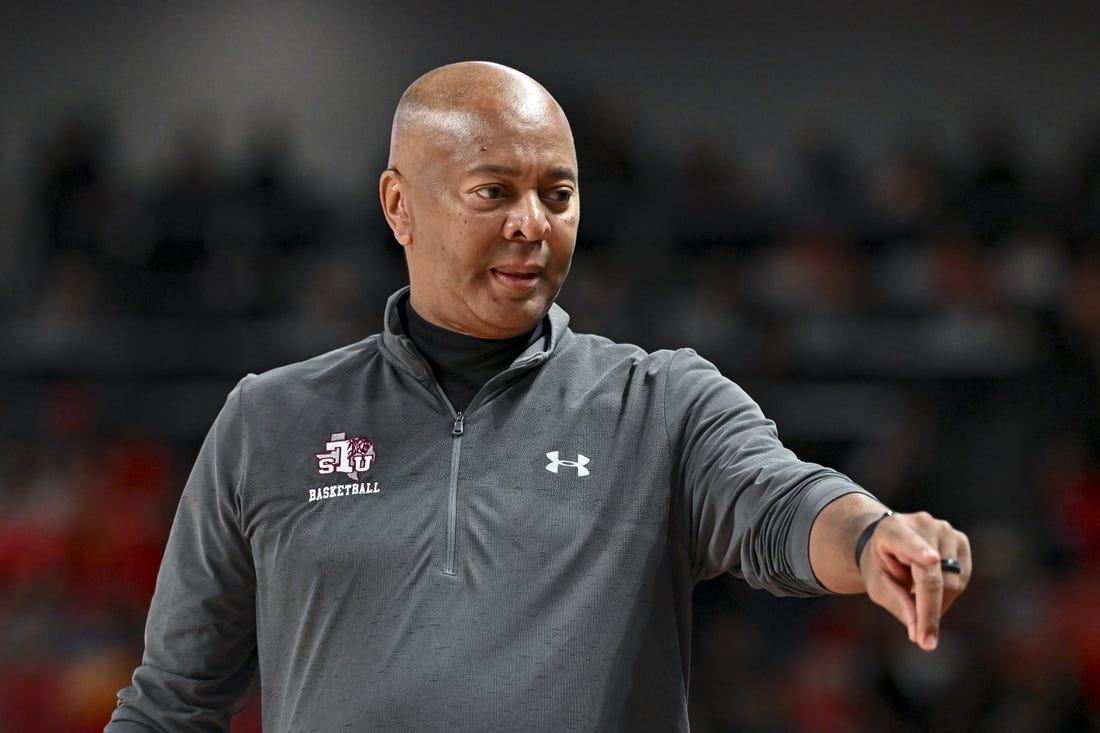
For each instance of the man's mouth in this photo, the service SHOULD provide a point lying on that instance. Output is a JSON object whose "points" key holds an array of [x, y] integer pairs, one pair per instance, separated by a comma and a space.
{"points": [[518, 279]]}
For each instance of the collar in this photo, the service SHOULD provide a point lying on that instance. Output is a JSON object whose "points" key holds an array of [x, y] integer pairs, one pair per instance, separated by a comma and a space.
{"points": [[399, 346]]}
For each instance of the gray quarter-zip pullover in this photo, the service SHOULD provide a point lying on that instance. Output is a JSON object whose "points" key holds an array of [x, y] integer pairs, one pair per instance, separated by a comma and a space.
{"points": [[526, 565]]}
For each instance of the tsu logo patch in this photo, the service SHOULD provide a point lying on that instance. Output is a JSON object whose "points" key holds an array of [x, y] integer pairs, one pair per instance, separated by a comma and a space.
{"points": [[350, 456]]}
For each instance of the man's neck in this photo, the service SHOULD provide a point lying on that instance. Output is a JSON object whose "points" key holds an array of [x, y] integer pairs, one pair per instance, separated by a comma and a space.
{"points": [[462, 364]]}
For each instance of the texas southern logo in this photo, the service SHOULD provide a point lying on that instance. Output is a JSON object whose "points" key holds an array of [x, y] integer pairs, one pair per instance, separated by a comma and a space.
{"points": [[350, 457]]}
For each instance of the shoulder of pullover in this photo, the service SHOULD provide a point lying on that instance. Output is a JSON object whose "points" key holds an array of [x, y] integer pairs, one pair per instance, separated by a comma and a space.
{"points": [[324, 375]]}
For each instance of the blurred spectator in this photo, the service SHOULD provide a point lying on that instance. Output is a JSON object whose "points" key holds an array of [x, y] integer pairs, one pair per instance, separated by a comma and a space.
{"points": [[1081, 217], [267, 225], [75, 192], [74, 185], [907, 193], [184, 208], [996, 195]]}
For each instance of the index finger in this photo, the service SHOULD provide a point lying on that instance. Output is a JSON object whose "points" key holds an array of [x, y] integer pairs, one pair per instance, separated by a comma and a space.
{"points": [[928, 591]]}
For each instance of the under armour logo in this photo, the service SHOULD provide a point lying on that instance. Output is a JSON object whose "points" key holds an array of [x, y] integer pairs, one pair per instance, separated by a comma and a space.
{"points": [[579, 464]]}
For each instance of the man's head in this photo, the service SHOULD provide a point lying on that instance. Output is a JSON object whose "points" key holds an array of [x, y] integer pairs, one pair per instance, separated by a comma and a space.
{"points": [[481, 191]]}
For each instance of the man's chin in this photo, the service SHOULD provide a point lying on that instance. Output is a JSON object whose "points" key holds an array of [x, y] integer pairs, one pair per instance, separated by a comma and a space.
{"points": [[514, 319]]}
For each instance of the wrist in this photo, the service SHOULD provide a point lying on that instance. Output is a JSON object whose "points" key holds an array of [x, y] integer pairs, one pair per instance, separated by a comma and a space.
{"points": [[865, 536]]}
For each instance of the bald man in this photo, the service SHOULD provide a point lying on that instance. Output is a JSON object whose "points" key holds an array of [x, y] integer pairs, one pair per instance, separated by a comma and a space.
{"points": [[479, 519]]}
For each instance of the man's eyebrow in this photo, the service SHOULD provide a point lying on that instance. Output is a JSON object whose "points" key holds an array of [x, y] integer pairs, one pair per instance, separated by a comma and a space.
{"points": [[565, 172]]}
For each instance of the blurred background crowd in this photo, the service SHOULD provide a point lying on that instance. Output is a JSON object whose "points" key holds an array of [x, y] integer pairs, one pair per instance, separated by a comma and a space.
{"points": [[925, 318]]}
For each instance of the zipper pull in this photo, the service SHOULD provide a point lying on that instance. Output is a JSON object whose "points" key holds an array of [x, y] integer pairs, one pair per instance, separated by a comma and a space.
{"points": [[457, 429]]}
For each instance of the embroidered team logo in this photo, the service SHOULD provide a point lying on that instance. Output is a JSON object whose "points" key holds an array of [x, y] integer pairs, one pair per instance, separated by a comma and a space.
{"points": [[350, 456]]}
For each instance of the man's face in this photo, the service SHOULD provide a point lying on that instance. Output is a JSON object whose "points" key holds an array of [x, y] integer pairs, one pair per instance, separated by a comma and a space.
{"points": [[489, 220]]}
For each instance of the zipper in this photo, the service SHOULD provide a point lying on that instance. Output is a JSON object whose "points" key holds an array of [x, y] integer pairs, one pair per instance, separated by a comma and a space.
{"points": [[457, 430], [452, 493]]}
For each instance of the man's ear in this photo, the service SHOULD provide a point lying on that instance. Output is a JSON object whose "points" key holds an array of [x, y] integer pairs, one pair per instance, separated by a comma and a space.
{"points": [[391, 189]]}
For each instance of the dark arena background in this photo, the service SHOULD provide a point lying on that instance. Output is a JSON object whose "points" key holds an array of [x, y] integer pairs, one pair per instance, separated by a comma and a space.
{"points": [[883, 220]]}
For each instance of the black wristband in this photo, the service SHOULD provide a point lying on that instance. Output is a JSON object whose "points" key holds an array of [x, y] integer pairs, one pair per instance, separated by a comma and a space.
{"points": [[866, 535]]}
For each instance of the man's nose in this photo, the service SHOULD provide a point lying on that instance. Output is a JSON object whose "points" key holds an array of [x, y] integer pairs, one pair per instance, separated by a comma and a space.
{"points": [[527, 219]]}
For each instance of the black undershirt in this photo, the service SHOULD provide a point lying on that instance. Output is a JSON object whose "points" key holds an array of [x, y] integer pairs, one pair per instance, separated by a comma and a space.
{"points": [[463, 364]]}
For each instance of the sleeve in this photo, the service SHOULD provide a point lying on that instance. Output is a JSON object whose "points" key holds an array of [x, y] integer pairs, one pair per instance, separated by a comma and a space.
{"points": [[200, 635], [747, 502]]}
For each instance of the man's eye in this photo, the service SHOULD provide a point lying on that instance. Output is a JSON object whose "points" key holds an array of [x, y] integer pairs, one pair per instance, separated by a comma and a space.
{"points": [[491, 192], [560, 195]]}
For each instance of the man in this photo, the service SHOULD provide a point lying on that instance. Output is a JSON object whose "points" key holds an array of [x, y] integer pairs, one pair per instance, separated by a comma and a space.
{"points": [[478, 519]]}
